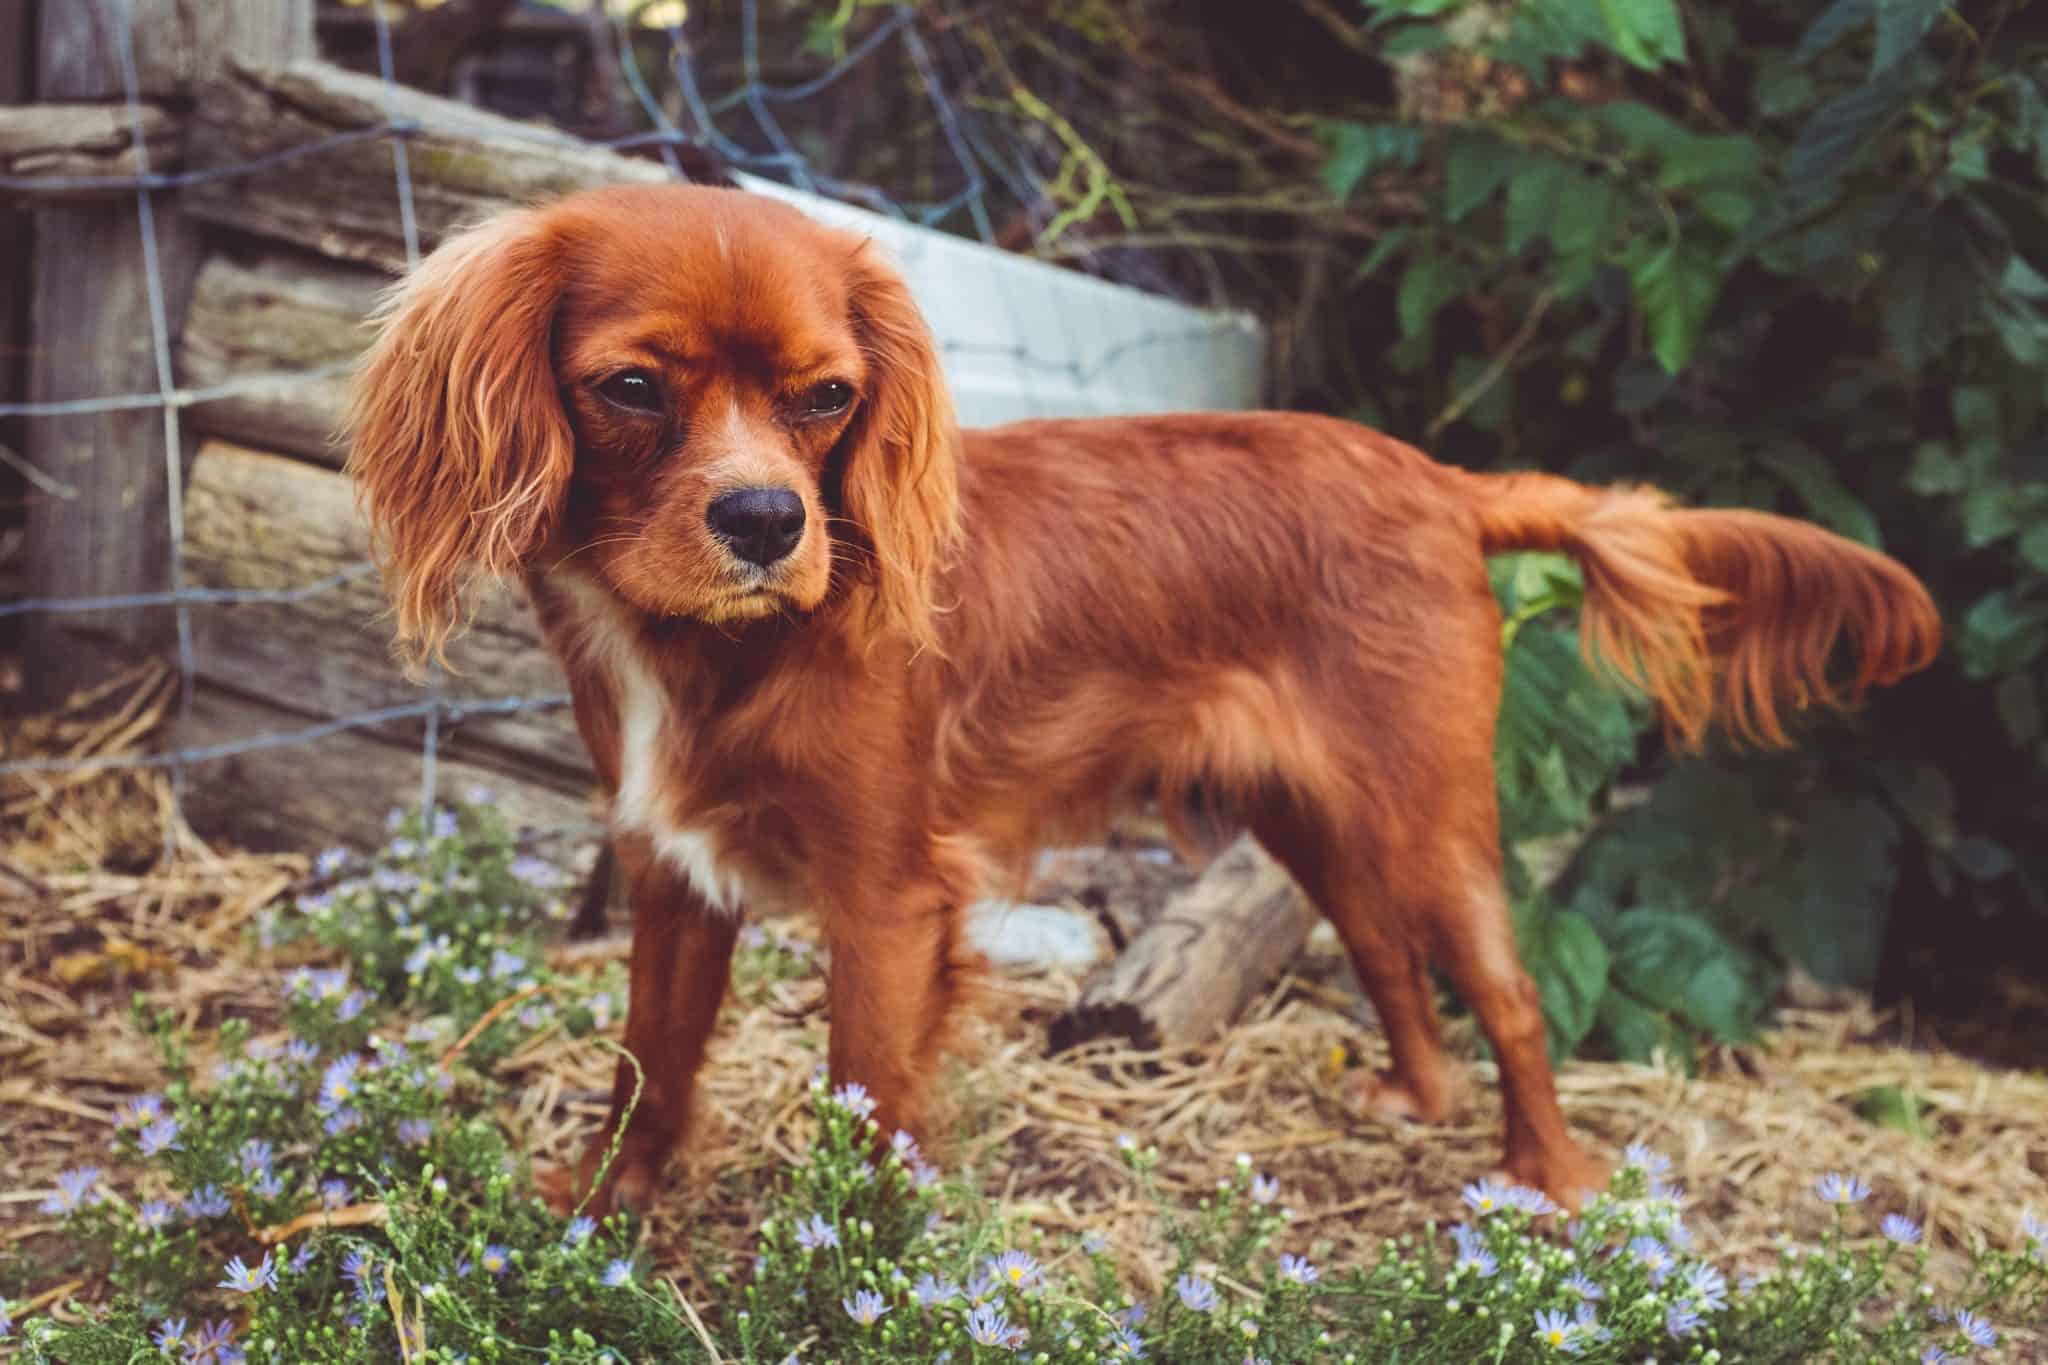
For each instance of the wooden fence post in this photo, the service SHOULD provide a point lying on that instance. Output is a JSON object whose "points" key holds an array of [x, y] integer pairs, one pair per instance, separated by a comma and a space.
{"points": [[101, 525]]}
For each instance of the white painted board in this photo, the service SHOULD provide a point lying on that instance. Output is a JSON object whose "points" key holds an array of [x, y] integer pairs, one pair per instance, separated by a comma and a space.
{"points": [[1022, 338]]}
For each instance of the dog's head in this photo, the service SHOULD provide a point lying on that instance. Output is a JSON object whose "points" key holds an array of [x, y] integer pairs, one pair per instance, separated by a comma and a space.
{"points": [[721, 408]]}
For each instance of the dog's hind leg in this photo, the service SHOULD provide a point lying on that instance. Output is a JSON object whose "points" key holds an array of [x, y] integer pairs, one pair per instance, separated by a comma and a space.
{"points": [[1351, 894]]}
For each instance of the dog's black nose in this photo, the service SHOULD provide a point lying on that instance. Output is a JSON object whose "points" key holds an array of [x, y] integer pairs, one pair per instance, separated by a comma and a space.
{"points": [[760, 525]]}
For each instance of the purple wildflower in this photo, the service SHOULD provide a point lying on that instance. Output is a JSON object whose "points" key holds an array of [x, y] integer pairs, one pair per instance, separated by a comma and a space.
{"points": [[1681, 1320], [854, 1097], [1298, 1270], [1841, 1190], [1707, 1286], [245, 1280], [931, 1291], [1977, 1330], [865, 1307], [816, 1233], [207, 1202], [75, 1190], [1196, 1293], [1900, 1229], [159, 1136], [415, 1132], [1485, 1196], [618, 1273], [1555, 1330], [138, 1111], [988, 1326], [1015, 1268]]}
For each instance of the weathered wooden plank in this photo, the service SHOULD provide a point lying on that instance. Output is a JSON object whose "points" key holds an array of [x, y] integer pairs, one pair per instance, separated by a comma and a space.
{"points": [[177, 45], [1213, 948], [90, 329], [292, 315], [56, 141], [339, 788], [343, 200], [263, 522]]}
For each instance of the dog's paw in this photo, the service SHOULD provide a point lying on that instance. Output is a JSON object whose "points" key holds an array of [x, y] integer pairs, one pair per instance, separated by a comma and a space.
{"points": [[628, 1185], [1567, 1175], [1393, 1099]]}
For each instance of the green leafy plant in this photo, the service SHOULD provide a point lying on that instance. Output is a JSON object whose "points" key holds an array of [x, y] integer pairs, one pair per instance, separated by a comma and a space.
{"points": [[1783, 256]]}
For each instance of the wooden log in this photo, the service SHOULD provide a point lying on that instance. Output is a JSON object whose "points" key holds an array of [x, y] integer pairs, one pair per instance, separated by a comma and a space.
{"points": [[256, 521], [91, 334], [338, 789], [343, 201], [1211, 950], [290, 316], [57, 141]]}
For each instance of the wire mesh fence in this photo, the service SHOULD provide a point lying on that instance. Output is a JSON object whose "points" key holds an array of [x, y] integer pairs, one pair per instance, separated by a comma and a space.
{"points": [[1051, 357]]}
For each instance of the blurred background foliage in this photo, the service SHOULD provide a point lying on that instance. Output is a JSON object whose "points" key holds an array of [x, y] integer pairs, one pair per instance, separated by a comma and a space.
{"points": [[1789, 254]]}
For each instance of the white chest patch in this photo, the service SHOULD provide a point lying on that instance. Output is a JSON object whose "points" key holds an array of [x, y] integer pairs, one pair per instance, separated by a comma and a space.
{"points": [[641, 805]]}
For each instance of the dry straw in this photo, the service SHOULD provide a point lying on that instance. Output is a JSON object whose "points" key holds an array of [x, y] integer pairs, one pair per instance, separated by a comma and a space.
{"points": [[91, 911]]}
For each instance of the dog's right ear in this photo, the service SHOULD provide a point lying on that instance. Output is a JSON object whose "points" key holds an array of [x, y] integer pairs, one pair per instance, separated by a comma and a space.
{"points": [[459, 444]]}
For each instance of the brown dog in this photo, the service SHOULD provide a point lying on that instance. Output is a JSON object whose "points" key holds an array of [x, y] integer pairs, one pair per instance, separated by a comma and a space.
{"points": [[827, 650]]}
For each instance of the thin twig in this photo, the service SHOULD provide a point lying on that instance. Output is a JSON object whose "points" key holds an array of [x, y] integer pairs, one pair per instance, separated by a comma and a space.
{"points": [[489, 1017], [1490, 376], [373, 1215]]}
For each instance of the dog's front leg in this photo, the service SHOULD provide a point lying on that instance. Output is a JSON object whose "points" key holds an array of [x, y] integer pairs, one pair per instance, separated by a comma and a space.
{"points": [[895, 977], [682, 957]]}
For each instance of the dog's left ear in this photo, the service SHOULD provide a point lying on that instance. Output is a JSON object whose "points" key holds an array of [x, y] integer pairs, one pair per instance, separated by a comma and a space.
{"points": [[899, 478]]}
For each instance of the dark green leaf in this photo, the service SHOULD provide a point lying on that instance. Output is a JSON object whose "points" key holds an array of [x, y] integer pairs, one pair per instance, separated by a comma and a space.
{"points": [[2002, 633], [1937, 470], [1427, 284], [1839, 129], [1637, 1033], [1645, 130], [1835, 22], [1814, 480], [1478, 165], [1359, 149], [1930, 284], [1975, 410], [1728, 209], [1646, 33], [1989, 516], [2034, 548], [1532, 198], [2019, 708], [1678, 962], [1416, 39], [1781, 88], [1583, 219], [1704, 160], [1569, 963], [1901, 24], [1390, 242], [1675, 289]]}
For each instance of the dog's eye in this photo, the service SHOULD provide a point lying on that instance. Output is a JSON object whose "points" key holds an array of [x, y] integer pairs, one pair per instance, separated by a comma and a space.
{"points": [[828, 399], [635, 389]]}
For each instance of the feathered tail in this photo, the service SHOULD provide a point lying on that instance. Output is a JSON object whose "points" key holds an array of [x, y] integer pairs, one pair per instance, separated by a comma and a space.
{"points": [[1720, 615]]}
